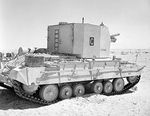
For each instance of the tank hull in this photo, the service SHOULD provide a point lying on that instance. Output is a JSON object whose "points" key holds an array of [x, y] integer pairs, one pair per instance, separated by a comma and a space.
{"points": [[74, 71]]}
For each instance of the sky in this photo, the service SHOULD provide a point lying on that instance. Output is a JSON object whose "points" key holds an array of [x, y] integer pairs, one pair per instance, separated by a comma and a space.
{"points": [[23, 23]]}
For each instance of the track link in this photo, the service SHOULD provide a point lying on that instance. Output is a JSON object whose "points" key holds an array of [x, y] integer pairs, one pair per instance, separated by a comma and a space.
{"points": [[20, 92], [126, 88]]}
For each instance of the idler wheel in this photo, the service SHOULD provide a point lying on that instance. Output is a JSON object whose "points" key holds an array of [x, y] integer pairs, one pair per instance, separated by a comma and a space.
{"points": [[118, 84], [30, 89], [97, 87], [65, 92], [49, 92], [132, 79], [78, 90], [108, 87]]}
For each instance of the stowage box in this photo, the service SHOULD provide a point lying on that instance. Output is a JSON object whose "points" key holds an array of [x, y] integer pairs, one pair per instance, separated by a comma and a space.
{"points": [[80, 39]]}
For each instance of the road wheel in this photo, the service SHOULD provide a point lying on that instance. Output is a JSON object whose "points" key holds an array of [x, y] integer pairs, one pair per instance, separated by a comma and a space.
{"points": [[30, 89], [97, 87], [132, 79], [108, 87], [78, 90], [49, 92], [118, 84], [65, 92]]}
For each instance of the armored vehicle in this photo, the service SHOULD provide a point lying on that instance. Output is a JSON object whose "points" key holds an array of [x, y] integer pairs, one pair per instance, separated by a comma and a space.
{"points": [[77, 63]]}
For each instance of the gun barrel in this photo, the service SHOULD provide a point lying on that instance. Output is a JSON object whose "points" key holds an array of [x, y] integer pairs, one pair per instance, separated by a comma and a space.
{"points": [[115, 35]]}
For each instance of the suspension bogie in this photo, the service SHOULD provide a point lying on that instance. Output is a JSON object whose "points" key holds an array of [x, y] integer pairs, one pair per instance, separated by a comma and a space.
{"points": [[50, 93]]}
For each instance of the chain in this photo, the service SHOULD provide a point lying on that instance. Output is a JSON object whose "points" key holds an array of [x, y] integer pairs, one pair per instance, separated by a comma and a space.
{"points": [[20, 92]]}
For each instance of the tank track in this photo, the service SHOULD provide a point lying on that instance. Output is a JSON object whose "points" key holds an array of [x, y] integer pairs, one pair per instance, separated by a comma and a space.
{"points": [[19, 91]]}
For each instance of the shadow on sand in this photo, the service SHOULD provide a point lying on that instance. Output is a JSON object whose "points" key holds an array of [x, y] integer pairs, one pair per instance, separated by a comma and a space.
{"points": [[9, 100]]}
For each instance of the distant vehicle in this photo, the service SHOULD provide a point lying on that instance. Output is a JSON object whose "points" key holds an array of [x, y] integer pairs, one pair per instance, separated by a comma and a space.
{"points": [[8, 55], [41, 50]]}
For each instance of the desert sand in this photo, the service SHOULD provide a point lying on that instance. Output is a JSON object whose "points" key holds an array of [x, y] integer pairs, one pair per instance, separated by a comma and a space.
{"points": [[135, 102]]}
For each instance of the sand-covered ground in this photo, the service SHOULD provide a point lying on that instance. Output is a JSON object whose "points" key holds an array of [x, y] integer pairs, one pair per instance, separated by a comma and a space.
{"points": [[133, 103]]}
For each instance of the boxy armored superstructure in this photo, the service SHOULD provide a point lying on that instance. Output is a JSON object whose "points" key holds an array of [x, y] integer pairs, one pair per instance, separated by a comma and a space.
{"points": [[78, 63], [82, 40]]}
